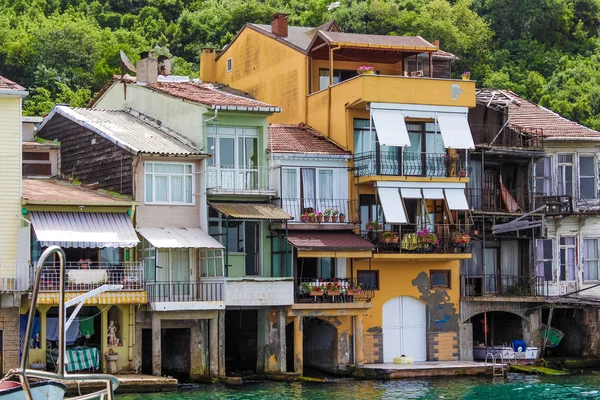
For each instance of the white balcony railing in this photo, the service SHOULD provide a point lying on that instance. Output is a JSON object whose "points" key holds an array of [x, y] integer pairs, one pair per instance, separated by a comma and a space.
{"points": [[88, 276], [231, 179]]}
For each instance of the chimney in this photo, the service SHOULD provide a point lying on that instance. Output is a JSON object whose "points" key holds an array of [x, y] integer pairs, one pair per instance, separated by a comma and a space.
{"points": [[147, 68], [436, 43], [279, 24], [208, 64]]}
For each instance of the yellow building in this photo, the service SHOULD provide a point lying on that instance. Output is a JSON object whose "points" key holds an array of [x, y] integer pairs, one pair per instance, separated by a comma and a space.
{"points": [[13, 263], [390, 101]]}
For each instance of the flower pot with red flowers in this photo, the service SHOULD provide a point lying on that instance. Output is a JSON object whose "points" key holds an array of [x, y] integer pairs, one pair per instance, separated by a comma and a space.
{"points": [[389, 237], [334, 216], [319, 217], [427, 239], [333, 288], [304, 217], [311, 217], [354, 290]]}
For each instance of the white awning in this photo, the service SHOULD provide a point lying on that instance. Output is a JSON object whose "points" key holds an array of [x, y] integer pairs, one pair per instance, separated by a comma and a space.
{"points": [[455, 131], [433, 194], [179, 238], [411, 193], [456, 199], [83, 229], [390, 127], [393, 209]]}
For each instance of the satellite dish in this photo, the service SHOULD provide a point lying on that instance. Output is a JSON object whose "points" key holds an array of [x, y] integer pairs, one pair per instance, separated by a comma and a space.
{"points": [[127, 62]]}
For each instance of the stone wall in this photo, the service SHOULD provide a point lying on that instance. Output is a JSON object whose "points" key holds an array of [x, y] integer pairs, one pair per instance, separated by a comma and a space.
{"points": [[373, 346], [9, 324], [443, 346]]}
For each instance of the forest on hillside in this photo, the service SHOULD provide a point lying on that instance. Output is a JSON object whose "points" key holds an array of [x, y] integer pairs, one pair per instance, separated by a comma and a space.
{"points": [[64, 51]]}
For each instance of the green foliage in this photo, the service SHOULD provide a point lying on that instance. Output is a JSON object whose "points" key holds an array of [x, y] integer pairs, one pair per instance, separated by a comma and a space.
{"points": [[65, 50]]}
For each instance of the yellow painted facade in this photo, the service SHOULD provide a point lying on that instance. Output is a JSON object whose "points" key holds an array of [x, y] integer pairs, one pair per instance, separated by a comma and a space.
{"points": [[10, 181]]}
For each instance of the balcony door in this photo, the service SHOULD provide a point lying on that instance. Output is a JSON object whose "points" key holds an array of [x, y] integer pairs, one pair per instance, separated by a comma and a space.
{"points": [[424, 156], [252, 247], [235, 158], [173, 275]]}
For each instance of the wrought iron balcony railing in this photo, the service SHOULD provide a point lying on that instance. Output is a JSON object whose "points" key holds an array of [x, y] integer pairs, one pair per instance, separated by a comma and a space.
{"points": [[232, 178], [503, 285], [88, 276], [185, 291], [397, 162], [347, 210], [418, 238], [332, 290]]}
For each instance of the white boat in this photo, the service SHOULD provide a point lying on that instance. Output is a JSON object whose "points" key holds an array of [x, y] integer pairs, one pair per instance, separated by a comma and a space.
{"points": [[52, 386], [11, 390]]}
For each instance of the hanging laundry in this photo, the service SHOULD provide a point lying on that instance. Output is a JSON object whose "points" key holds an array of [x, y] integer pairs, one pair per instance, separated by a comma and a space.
{"points": [[52, 330], [86, 326]]}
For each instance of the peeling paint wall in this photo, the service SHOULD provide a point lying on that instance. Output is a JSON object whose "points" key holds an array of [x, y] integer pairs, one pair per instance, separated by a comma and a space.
{"points": [[442, 312]]}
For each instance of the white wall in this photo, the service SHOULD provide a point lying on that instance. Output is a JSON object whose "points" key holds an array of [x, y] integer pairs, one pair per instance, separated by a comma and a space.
{"points": [[259, 292]]}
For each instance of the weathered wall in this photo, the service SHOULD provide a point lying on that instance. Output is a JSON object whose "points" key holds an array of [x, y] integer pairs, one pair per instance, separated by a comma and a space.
{"points": [[104, 162], [9, 324], [259, 292], [271, 348]]}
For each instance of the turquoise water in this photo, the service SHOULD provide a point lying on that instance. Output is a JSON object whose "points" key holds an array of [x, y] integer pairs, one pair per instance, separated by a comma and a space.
{"points": [[515, 387]]}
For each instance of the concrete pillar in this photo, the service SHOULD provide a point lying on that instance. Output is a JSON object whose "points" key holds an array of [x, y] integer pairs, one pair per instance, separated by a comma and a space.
{"points": [[298, 346], [156, 344], [271, 340], [466, 341], [137, 356], [198, 354], [359, 340], [221, 343], [214, 347], [282, 339]]}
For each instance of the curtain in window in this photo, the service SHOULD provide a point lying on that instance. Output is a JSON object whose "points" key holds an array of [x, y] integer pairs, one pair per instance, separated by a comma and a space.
{"points": [[289, 183], [161, 188], [434, 147], [543, 176], [545, 255], [323, 79], [590, 259], [509, 254], [567, 259], [180, 265], [309, 188], [325, 184]]}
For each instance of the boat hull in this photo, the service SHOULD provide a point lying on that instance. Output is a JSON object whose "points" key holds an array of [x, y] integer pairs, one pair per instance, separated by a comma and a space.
{"points": [[44, 390]]}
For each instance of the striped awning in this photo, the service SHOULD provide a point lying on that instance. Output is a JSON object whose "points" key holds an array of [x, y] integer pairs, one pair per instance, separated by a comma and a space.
{"points": [[83, 229], [117, 297], [179, 238], [263, 211]]}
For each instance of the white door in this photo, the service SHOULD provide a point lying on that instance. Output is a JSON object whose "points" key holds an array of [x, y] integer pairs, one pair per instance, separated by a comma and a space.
{"points": [[404, 329]]}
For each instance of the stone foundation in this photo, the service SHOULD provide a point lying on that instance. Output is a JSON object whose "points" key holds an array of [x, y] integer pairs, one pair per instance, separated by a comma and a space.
{"points": [[443, 346], [9, 324], [373, 348]]}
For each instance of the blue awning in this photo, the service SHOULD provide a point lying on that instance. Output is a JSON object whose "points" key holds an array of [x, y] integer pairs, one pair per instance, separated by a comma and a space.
{"points": [[83, 229]]}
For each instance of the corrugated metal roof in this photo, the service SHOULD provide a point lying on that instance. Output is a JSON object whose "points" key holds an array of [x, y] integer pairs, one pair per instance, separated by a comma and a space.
{"points": [[179, 238], [265, 211], [328, 241], [127, 131], [83, 229]]}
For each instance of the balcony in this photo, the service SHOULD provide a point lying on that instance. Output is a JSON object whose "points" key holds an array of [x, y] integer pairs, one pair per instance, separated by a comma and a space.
{"points": [[331, 291], [496, 136], [555, 205], [347, 212], [408, 164], [235, 180], [83, 277], [501, 201], [208, 294], [418, 241], [492, 285]]}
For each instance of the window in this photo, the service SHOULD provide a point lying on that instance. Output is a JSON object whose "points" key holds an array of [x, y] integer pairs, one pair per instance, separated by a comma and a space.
{"points": [[235, 158], [36, 163], [567, 259], [289, 183], [565, 174], [211, 263], [169, 183], [229, 64], [545, 257], [590, 259], [543, 176], [339, 75], [587, 177], [440, 278], [370, 210], [368, 279]]}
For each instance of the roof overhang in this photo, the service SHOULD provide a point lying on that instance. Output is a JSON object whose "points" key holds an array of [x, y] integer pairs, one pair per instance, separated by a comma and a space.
{"points": [[256, 211], [179, 238], [14, 93], [330, 244], [249, 109]]}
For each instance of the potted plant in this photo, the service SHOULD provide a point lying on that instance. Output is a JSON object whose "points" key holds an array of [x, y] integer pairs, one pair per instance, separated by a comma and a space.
{"points": [[342, 218], [353, 290], [319, 217], [373, 226], [333, 288], [366, 70], [462, 173], [315, 290], [466, 75], [328, 215], [462, 238], [311, 217], [334, 216], [390, 237], [427, 239], [84, 263], [304, 217], [450, 162]]}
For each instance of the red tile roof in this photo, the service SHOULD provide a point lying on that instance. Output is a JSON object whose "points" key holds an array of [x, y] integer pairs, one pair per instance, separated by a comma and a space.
{"points": [[285, 138], [206, 94], [323, 241], [63, 191], [530, 117], [6, 84]]}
